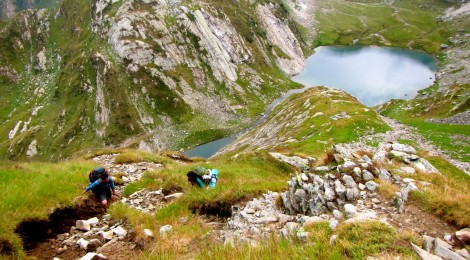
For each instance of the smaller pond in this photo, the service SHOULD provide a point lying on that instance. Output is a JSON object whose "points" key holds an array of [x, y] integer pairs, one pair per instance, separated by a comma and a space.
{"points": [[374, 75]]}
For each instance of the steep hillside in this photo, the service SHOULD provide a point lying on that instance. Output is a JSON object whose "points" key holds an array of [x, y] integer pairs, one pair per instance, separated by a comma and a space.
{"points": [[441, 112], [8, 8], [311, 122], [147, 74]]}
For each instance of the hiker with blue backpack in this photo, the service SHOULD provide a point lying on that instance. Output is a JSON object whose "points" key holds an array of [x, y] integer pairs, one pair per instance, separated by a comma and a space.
{"points": [[203, 177], [102, 186]]}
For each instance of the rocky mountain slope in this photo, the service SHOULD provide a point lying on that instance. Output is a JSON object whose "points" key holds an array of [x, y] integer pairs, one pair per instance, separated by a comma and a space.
{"points": [[147, 74], [8, 8]]}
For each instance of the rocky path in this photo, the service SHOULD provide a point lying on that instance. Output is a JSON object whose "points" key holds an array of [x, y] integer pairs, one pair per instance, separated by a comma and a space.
{"points": [[346, 193], [102, 237], [401, 131]]}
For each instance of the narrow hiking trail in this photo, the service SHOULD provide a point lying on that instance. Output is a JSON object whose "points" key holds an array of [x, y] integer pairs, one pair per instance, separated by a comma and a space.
{"points": [[102, 234]]}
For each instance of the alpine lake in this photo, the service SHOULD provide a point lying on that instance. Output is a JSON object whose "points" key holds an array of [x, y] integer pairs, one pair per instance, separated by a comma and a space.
{"points": [[374, 75]]}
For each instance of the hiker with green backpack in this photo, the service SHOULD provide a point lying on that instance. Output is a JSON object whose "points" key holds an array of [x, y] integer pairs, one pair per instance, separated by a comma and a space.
{"points": [[102, 185], [202, 177]]}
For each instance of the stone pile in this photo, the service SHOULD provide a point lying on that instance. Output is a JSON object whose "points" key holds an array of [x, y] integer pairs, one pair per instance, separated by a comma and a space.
{"points": [[437, 249], [329, 194], [145, 200]]}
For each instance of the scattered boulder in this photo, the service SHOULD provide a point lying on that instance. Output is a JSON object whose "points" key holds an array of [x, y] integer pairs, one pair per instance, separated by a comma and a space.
{"points": [[384, 174], [367, 175], [94, 256], [371, 185], [165, 230], [93, 221], [464, 253], [463, 235], [120, 231], [403, 148], [425, 255], [93, 245], [82, 243], [444, 250], [148, 233], [82, 225], [406, 190], [350, 210]]}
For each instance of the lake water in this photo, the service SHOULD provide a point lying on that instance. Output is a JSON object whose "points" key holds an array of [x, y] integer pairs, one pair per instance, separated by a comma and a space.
{"points": [[374, 75]]}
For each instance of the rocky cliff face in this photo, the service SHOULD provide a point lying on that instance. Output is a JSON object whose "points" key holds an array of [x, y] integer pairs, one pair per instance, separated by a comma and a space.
{"points": [[152, 74]]}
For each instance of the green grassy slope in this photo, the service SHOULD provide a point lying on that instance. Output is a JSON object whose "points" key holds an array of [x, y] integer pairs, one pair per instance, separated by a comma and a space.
{"points": [[31, 190]]}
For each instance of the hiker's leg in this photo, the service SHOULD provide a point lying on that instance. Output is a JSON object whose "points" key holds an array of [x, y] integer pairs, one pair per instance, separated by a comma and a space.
{"points": [[101, 196], [109, 195]]}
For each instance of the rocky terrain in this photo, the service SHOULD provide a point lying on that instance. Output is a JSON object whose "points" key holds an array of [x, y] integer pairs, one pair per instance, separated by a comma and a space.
{"points": [[346, 193], [177, 68]]}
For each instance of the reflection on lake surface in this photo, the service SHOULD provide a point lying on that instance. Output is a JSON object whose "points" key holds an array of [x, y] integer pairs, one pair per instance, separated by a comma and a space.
{"points": [[373, 75]]}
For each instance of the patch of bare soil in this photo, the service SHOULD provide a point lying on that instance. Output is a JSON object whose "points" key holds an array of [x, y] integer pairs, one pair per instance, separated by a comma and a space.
{"points": [[39, 235], [419, 222]]}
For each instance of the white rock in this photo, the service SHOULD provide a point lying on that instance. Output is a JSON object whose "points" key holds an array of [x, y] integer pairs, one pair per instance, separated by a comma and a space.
{"points": [[304, 177], [425, 255], [94, 256], [174, 196], [322, 169], [408, 170], [250, 211], [338, 214], [290, 228], [82, 243], [406, 190], [443, 250], [367, 175], [448, 238], [350, 210], [371, 185], [428, 243], [82, 225], [120, 231], [165, 230], [361, 186], [313, 220], [464, 253], [403, 148], [349, 164], [333, 223], [107, 235], [408, 180], [333, 239], [93, 221], [148, 233], [463, 235]]}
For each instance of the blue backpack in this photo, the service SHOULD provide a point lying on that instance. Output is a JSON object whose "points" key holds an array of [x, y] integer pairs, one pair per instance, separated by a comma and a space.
{"points": [[95, 174]]}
